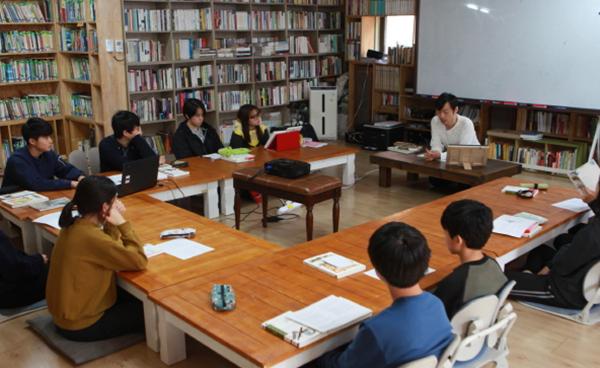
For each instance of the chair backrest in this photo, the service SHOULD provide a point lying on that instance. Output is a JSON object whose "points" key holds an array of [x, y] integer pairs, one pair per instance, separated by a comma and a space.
{"points": [[94, 160], [427, 362], [445, 360], [78, 159], [591, 284], [473, 317], [502, 296]]}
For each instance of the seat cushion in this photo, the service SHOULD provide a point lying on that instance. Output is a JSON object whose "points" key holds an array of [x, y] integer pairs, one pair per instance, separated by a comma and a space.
{"points": [[307, 185]]}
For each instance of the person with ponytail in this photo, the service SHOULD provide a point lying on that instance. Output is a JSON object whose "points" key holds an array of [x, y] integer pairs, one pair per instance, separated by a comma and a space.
{"points": [[94, 243], [248, 130]]}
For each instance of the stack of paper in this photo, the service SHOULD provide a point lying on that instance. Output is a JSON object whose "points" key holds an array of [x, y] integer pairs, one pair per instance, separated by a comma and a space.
{"points": [[516, 226], [180, 248], [22, 199], [168, 171], [316, 321], [335, 265], [573, 204]]}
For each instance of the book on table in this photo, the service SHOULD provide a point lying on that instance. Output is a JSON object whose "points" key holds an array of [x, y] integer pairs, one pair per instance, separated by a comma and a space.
{"points": [[335, 265], [517, 226], [50, 204], [22, 198], [316, 321]]}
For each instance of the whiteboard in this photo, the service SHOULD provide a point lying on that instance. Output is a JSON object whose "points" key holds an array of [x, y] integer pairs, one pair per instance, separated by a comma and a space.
{"points": [[528, 51]]}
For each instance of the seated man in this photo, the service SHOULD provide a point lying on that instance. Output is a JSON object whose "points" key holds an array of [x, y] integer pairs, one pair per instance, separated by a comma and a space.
{"points": [[37, 167], [449, 128], [22, 277], [126, 144], [468, 225], [415, 325], [560, 282]]}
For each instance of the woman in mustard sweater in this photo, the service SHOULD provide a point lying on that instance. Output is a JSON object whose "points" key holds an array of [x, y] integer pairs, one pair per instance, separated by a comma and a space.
{"points": [[82, 294]]}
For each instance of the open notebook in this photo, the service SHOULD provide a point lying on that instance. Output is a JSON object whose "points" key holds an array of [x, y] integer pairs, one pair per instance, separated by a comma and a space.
{"points": [[316, 321]]}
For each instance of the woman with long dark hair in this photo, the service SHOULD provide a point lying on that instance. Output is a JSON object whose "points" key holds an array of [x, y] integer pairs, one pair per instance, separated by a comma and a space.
{"points": [[249, 131], [82, 293]]}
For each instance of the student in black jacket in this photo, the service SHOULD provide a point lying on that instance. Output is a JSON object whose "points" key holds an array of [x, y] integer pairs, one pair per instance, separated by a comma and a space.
{"points": [[37, 167], [126, 144], [560, 282], [22, 277], [194, 137]]}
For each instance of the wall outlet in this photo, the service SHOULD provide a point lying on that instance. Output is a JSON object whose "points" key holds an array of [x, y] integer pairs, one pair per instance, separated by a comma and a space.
{"points": [[109, 45], [118, 45]]}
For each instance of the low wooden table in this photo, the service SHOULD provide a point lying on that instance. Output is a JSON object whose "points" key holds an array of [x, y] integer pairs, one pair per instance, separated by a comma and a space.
{"points": [[415, 165], [308, 190]]}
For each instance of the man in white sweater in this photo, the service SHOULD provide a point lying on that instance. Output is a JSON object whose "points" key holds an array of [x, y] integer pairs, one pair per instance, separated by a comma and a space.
{"points": [[448, 128]]}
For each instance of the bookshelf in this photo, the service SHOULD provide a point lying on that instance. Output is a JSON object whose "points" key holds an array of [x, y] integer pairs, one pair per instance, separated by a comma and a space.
{"points": [[228, 53]]}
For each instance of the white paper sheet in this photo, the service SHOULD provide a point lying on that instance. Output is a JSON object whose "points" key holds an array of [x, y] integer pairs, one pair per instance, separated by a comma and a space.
{"points": [[183, 248], [152, 250], [338, 261], [212, 156], [51, 219], [573, 204], [329, 313], [373, 274]]}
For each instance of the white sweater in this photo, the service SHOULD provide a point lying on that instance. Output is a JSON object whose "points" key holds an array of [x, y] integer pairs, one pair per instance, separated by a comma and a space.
{"points": [[463, 133]]}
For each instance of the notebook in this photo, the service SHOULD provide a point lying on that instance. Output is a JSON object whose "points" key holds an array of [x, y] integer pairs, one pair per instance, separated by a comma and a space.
{"points": [[22, 199], [50, 204], [516, 226], [335, 265], [585, 177]]}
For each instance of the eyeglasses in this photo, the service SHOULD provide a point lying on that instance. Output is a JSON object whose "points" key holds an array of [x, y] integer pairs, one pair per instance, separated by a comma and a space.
{"points": [[255, 116]]}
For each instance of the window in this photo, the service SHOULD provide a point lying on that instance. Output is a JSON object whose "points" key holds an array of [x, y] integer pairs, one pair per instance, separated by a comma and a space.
{"points": [[399, 30]]}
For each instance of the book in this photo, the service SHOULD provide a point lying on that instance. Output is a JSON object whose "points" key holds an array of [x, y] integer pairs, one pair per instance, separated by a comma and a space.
{"points": [[585, 177], [316, 321], [50, 204], [335, 265], [516, 226], [22, 198]]}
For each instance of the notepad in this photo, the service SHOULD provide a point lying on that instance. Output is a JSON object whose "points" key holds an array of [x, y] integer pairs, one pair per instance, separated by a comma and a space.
{"points": [[180, 248], [335, 265], [573, 204], [373, 274], [514, 226]]}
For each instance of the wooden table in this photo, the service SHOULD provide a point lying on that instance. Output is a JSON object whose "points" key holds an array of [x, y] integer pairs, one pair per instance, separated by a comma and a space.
{"points": [[415, 165], [308, 190], [281, 282], [149, 217]]}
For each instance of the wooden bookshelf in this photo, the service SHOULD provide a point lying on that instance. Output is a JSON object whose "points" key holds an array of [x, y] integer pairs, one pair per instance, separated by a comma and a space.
{"points": [[256, 23]]}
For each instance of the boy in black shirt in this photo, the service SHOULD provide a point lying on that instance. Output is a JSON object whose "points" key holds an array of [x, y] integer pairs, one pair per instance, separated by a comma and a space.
{"points": [[468, 225]]}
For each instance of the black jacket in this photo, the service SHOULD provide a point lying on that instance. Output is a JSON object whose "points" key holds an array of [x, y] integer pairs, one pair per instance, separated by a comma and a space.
{"points": [[572, 261], [16, 268], [187, 144], [113, 155]]}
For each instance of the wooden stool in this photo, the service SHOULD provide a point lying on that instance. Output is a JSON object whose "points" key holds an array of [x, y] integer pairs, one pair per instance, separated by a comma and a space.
{"points": [[308, 190]]}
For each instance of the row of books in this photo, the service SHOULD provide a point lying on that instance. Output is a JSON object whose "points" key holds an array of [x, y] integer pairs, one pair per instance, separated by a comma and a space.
{"points": [[189, 48], [143, 51], [353, 50], [81, 105], [548, 122], [267, 46], [353, 30], [25, 11], [93, 40], [72, 10], [26, 41], [157, 144], [401, 55], [232, 20], [330, 66], [380, 7], [303, 69], [193, 19], [272, 96], [234, 73], [152, 108], [299, 90], [390, 99], [18, 108], [233, 100], [302, 20], [270, 71], [386, 77], [11, 145], [586, 129], [470, 111], [329, 20], [141, 80], [267, 20], [300, 45], [80, 69], [194, 76], [330, 43], [74, 39], [25, 70], [229, 42], [205, 95], [555, 159], [147, 20]]}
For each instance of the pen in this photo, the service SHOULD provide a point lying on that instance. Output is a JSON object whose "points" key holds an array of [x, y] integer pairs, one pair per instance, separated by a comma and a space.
{"points": [[300, 333]]}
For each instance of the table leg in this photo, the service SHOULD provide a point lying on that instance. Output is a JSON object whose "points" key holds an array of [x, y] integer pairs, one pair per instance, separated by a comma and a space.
{"points": [[172, 340], [237, 208], [211, 201], [309, 221], [349, 168], [385, 176], [227, 196], [265, 208], [336, 212], [411, 176]]}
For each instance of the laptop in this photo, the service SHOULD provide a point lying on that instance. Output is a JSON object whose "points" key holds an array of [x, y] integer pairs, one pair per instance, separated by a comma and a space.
{"points": [[138, 175]]}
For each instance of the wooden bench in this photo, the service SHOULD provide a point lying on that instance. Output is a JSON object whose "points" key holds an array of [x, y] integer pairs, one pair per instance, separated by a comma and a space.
{"points": [[308, 190]]}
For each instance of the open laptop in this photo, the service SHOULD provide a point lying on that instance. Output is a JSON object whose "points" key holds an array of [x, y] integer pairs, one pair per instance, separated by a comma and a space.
{"points": [[138, 175]]}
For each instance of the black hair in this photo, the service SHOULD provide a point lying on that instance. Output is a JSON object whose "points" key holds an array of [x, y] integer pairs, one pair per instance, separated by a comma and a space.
{"points": [[124, 121], [243, 116], [470, 219], [191, 106], [400, 254], [91, 193], [35, 128], [446, 98]]}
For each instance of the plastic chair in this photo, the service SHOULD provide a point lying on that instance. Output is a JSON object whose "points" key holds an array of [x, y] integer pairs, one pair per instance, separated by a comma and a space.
{"points": [[590, 314], [78, 158], [426, 362], [94, 160], [474, 316]]}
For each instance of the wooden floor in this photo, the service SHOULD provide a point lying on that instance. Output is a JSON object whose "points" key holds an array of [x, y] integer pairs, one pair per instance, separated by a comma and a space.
{"points": [[537, 340]]}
